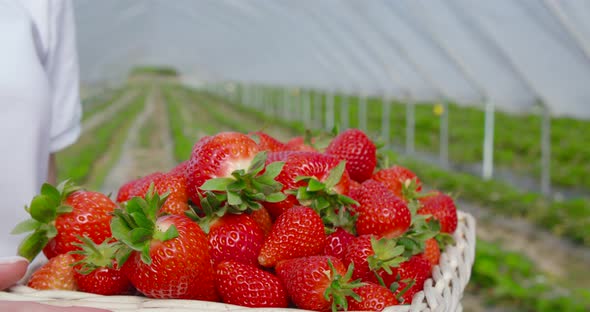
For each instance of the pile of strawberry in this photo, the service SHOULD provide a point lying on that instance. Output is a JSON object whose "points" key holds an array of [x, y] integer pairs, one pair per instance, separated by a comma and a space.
{"points": [[251, 221]]}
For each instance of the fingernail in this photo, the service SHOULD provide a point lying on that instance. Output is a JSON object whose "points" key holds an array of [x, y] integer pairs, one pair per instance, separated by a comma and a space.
{"points": [[10, 260]]}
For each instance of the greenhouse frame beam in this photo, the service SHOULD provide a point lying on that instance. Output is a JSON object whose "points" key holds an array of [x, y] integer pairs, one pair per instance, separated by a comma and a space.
{"points": [[471, 78], [545, 130], [555, 8]]}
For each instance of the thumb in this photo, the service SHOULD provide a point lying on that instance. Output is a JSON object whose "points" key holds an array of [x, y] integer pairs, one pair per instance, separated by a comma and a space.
{"points": [[12, 269]]}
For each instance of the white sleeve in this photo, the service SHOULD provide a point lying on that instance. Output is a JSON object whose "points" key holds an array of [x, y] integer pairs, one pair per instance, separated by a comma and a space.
{"points": [[63, 73]]}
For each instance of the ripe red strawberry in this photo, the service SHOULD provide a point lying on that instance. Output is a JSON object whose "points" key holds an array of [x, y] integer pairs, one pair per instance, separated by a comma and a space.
{"points": [[380, 212], [307, 164], [57, 273], [373, 298], [298, 144], [267, 142], [249, 286], [97, 271], [396, 178], [298, 232], [442, 208], [309, 282], [234, 237], [263, 219], [337, 243], [278, 156], [133, 187], [180, 169], [354, 146], [174, 184], [170, 258], [217, 157], [57, 223], [432, 251], [358, 252], [410, 276]]}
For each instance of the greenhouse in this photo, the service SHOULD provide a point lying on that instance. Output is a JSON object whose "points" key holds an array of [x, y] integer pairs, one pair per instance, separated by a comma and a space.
{"points": [[486, 101]]}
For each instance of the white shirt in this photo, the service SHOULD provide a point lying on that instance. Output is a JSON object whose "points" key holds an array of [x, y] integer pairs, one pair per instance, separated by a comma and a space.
{"points": [[39, 101]]}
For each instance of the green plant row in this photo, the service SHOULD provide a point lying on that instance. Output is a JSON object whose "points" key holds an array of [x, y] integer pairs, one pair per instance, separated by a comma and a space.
{"points": [[569, 219], [510, 278], [77, 161], [501, 277], [519, 153], [97, 105], [101, 169], [183, 142]]}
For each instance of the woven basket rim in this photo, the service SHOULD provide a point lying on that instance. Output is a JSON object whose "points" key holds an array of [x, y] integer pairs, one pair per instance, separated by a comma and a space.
{"points": [[442, 292]]}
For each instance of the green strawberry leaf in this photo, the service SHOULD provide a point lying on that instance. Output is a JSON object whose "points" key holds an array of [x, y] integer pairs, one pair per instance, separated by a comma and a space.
{"points": [[61, 209], [32, 245], [276, 197], [51, 193], [315, 185], [274, 169], [43, 209], [335, 175], [257, 163], [217, 184], [26, 226]]}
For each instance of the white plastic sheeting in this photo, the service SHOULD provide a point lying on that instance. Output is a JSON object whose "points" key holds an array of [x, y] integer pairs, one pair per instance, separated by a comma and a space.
{"points": [[514, 54]]}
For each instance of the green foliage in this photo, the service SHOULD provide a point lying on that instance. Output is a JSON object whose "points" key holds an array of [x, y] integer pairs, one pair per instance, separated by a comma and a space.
{"points": [[164, 71], [511, 278], [98, 104], [76, 161]]}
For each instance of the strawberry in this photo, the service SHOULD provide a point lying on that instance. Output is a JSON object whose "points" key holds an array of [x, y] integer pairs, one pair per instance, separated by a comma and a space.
{"points": [[57, 273], [249, 286], [400, 180], [408, 278], [442, 208], [234, 237], [337, 243], [165, 256], [298, 232], [263, 219], [131, 188], [354, 146], [299, 169], [97, 271], [229, 166], [357, 252], [180, 169], [173, 183], [317, 282], [432, 251], [380, 212], [299, 144], [373, 297], [278, 156], [218, 156], [266, 142], [62, 214]]}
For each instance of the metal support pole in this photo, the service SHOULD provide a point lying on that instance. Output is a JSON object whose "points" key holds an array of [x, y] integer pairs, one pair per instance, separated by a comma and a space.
{"points": [[330, 112], [385, 120], [546, 151], [318, 109], [363, 112], [444, 135], [488, 142], [285, 104], [305, 97], [344, 112], [410, 126]]}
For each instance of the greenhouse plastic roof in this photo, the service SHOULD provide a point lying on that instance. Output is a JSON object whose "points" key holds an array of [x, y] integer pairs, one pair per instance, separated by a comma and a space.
{"points": [[516, 54]]}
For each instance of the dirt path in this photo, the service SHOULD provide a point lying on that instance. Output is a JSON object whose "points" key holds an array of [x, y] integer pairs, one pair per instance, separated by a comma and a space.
{"points": [[99, 118], [136, 161]]}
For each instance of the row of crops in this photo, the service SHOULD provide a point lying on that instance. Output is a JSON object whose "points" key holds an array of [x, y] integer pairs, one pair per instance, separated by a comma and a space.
{"points": [[509, 279]]}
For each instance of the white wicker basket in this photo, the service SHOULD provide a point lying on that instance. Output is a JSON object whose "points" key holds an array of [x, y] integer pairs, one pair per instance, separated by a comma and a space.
{"points": [[442, 292]]}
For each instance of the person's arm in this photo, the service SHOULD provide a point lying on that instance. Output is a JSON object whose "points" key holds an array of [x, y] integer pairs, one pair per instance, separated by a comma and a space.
{"points": [[63, 73], [52, 170]]}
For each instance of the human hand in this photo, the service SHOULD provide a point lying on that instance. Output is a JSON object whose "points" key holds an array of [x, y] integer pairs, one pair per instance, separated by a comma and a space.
{"points": [[11, 271]]}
